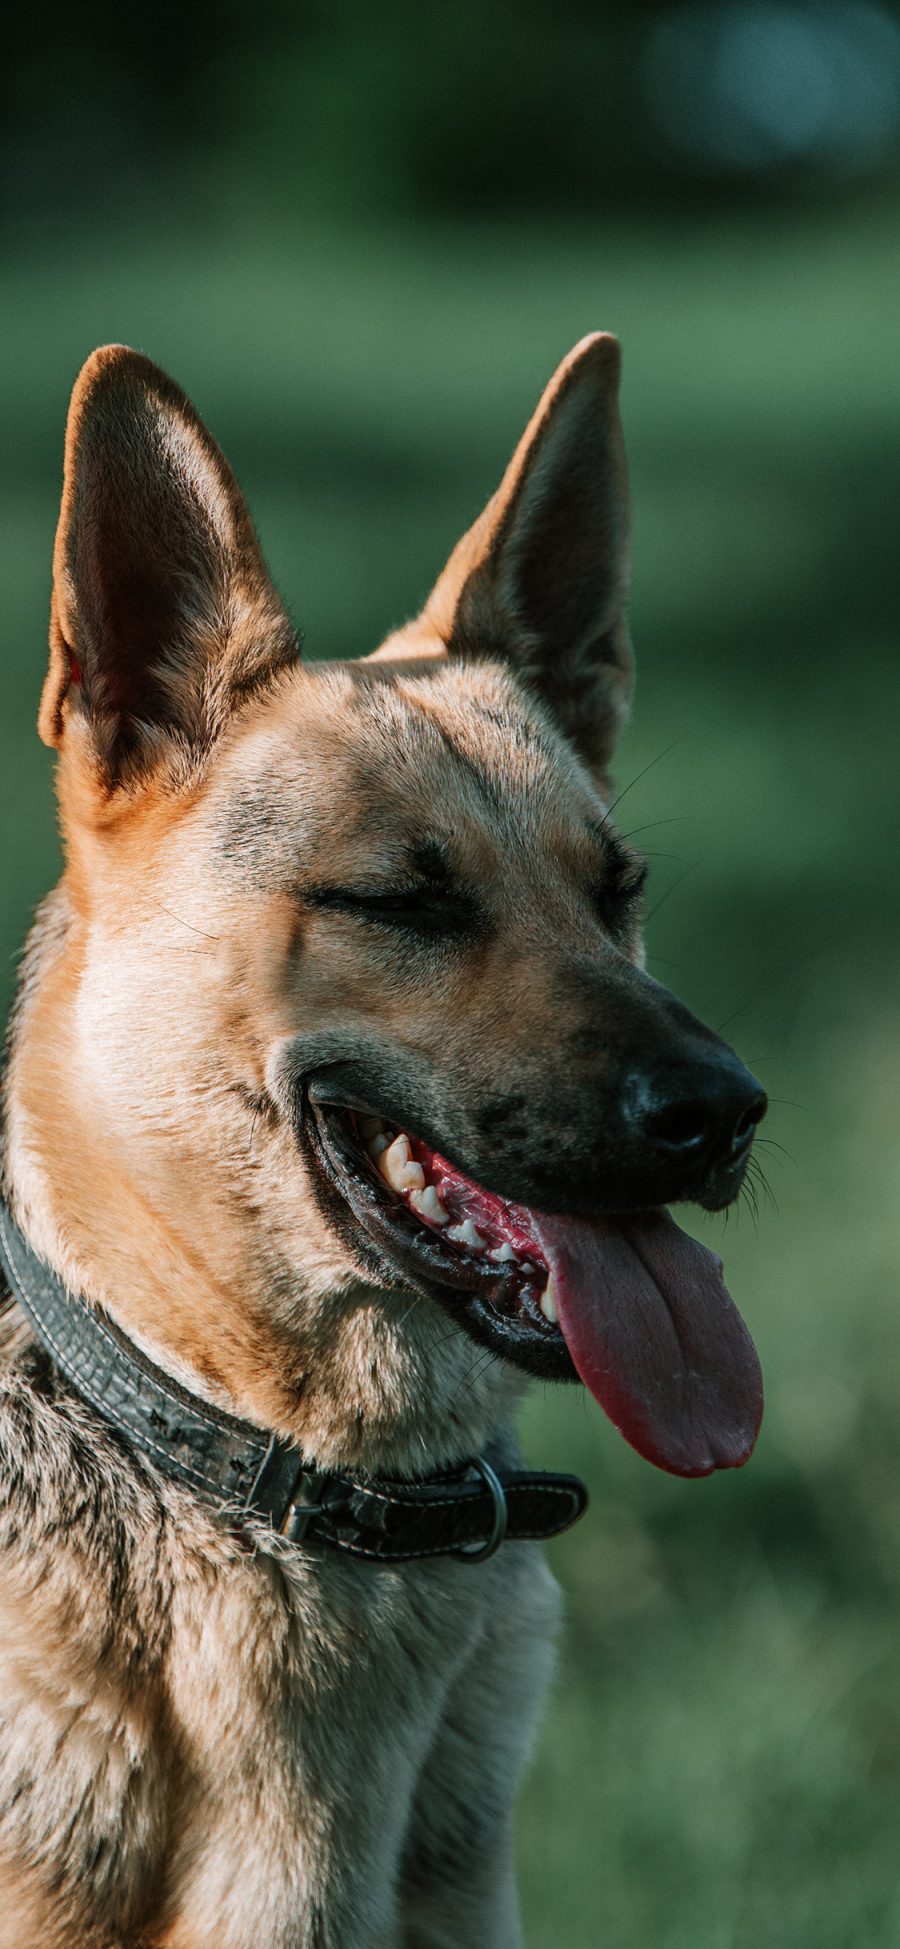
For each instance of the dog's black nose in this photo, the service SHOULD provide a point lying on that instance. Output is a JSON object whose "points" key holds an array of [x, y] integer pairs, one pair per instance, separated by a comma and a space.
{"points": [[702, 1115]]}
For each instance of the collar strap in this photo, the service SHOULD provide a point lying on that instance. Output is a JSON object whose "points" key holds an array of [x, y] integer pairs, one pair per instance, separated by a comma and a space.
{"points": [[465, 1511]]}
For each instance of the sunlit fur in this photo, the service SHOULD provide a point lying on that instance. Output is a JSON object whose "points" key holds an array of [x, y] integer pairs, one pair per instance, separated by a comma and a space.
{"points": [[210, 1741]]}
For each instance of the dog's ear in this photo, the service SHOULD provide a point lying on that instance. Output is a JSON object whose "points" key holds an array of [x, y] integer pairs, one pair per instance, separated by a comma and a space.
{"points": [[163, 617], [541, 579]]}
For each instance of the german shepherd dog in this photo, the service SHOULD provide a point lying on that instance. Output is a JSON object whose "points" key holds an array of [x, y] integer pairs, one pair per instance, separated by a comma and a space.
{"points": [[336, 1086]]}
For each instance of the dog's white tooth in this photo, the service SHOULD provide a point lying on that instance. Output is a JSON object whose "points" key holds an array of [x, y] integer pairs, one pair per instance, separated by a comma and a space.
{"points": [[548, 1301], [465, 1234], [398, 1167], [428, 1204], [501, 1254], [376, 1146], [400, 1177], [371, 1126]]}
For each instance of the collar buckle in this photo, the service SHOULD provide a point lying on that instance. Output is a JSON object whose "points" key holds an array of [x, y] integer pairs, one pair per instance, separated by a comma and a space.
{"points": [[299, 1512], [479, 1552]]}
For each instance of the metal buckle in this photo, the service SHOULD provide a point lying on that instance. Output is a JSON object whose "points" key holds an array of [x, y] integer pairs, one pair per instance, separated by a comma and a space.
{"points": [[479, 1552], [298, 1515]]}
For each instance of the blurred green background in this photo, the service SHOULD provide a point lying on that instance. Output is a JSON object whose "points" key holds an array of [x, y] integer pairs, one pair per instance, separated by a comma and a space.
{"points": [[362, 237]]}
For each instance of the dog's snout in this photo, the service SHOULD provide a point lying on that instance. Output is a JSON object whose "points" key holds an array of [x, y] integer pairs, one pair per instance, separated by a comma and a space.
{"points": [[702, 1115]]}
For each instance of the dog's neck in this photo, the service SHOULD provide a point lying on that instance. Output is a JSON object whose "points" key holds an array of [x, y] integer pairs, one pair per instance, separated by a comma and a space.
{"points": [[232, 1282]]}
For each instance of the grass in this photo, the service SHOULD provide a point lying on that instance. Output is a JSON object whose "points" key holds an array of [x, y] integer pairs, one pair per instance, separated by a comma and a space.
{"points": [[721, 1762]]}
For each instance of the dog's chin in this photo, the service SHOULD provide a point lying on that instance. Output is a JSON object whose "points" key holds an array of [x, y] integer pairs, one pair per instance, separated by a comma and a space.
{"points": [[627, 1302], [473, 1253]]}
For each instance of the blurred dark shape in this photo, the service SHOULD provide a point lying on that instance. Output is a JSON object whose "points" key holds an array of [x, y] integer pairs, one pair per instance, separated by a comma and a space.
{"points": [[92, 95], [752, 87], [523, 107]]}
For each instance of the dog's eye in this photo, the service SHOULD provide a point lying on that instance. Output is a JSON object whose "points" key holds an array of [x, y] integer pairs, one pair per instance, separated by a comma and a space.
{"points": [[425, 910], [620, 892], [630, 884]]}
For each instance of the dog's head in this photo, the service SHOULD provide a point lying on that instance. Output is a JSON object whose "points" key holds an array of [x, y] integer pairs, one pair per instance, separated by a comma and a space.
{"points": [[368, 930]]}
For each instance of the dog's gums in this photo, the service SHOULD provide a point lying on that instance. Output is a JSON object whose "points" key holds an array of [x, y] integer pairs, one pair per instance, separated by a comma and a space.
{"points": [[421, 1222], [333, 1055], [469, 1218], [629, 1303]]}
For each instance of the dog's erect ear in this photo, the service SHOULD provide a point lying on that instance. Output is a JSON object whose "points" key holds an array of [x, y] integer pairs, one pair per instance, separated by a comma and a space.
{"points": [[163, 617], [540, 580]]}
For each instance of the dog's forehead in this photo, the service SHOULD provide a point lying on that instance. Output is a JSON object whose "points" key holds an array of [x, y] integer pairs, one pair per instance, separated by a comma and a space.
{"points": [[373, 754]]}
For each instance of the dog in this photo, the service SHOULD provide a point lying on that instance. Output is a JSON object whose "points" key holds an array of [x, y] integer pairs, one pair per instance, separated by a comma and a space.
{"points": [[337, 1103]]}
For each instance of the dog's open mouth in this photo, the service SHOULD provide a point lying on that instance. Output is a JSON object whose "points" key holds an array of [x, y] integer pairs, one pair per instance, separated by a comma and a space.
{"points": [[630, 1303]]}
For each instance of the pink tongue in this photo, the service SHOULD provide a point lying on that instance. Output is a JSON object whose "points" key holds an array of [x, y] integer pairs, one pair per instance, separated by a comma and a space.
{"points": [[657, 1338]]}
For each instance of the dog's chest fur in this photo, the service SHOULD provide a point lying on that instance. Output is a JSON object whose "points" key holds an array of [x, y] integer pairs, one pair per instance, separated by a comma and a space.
{"points": [[294, 895], [266, 1744]]}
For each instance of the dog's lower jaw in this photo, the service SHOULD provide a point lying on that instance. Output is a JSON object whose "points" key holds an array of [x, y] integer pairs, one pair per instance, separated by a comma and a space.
{"points": [[395, 1390], [398, 1388], [359, 1376], [230, 1278]]}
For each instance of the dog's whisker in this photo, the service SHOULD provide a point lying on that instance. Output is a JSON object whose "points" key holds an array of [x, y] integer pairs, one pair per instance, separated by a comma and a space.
{"points": [[408, 1314], [427, 912], [652, 825], [653, 852], [663, 961], [642, 774], [669, 892], [473, 1374], [762, 1181], [770, 1144], [444, 1339], [733, 1017], [749, 1198], [170, 915]]}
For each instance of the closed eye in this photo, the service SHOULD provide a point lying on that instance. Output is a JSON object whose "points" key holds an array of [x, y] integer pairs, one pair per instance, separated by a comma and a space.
{"points": [[618, 896], [426, 910], [630, 883]]}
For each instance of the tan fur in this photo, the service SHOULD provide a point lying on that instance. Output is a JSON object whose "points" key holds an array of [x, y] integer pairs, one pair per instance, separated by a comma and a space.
{"points": [[276, 1746]]}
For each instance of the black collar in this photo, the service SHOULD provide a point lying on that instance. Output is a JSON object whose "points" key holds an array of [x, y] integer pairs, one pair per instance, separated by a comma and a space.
{"points": [[466, 1510]]}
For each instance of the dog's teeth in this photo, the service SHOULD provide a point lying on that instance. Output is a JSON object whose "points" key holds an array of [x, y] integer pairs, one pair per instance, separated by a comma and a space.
{"points": [[428, 1205], [376, 1146], [465, 1234], [501, 1254], [371, 1126], [398, 1167], [408, 1177], [548, 1301]]}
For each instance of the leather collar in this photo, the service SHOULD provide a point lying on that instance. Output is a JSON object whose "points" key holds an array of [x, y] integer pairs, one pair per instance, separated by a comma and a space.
{"points": [[466, 1510]]}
